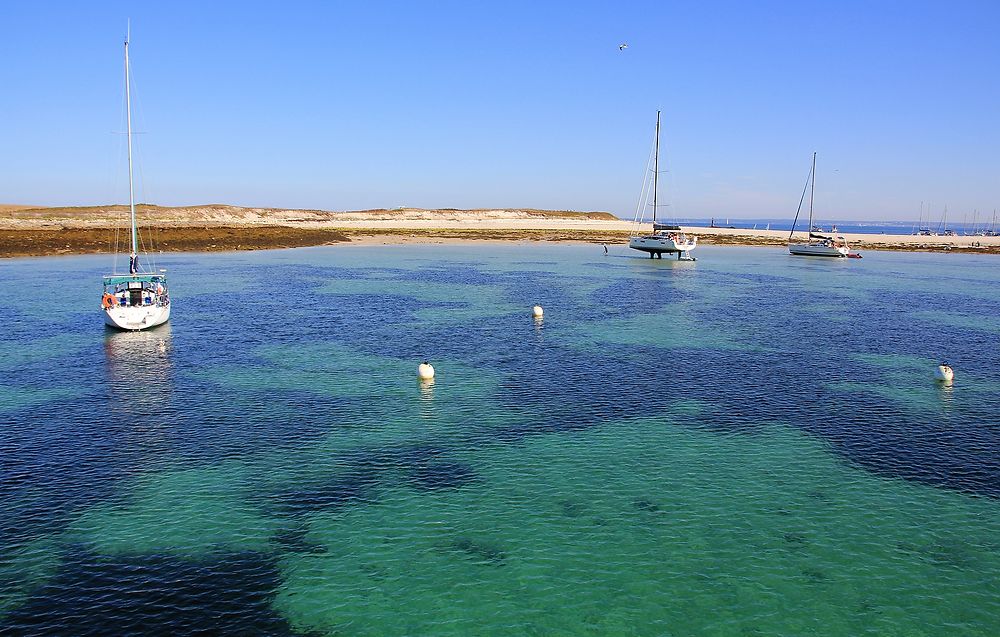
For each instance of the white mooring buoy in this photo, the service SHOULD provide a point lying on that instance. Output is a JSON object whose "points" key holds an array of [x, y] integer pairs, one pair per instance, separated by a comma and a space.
{"points": [[537, 311], [425, 370], [944, 373]]}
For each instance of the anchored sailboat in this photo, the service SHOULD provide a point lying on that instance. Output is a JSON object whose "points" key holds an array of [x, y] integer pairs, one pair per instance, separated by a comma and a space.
{"points": [[818, 245], [137, 300], [665, 238]]}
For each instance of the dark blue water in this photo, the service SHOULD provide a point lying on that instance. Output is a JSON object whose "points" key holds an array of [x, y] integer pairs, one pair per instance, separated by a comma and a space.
{"points": [[174, 481]]}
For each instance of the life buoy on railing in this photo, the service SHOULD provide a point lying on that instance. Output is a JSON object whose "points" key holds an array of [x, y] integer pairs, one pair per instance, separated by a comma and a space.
{"points": [[108, 301]]}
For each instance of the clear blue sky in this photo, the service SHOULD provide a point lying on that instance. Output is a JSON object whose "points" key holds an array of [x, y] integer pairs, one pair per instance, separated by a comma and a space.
{"points": [[475, 104]]}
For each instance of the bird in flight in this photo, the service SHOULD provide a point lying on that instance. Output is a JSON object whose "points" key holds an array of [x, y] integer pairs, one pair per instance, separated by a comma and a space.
{"points": [[622, 46]]}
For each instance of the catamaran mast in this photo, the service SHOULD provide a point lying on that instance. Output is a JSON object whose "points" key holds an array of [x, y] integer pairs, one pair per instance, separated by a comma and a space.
{"points": [[133, 261], [656, 166]]}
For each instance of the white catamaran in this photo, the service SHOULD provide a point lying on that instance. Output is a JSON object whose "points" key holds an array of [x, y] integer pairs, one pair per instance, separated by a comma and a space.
{"points": [[665, 238], [137, 300], [817, 245]]}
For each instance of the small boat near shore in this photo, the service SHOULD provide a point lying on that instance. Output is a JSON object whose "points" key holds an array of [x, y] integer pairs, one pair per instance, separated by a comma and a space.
{"points": [[137, 300], [666, 238]]}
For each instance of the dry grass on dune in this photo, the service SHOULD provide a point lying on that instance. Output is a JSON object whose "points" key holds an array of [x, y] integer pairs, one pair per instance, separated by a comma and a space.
{"points": [[198, 213], [13, 207]]}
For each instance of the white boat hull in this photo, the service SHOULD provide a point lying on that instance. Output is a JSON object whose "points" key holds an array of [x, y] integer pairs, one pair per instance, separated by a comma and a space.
{"points": [[659, 244], [136, 317], [817, 250]]}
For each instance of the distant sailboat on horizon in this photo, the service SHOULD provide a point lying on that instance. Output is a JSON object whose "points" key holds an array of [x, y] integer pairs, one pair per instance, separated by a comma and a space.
{"points": [[137, 300]]}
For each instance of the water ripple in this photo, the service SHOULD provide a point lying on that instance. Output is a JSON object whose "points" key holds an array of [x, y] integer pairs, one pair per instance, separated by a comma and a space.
{"points": [[748, 445]]}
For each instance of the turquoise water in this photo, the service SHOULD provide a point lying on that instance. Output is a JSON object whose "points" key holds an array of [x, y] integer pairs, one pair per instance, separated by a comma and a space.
{"points": [[751, 444]]}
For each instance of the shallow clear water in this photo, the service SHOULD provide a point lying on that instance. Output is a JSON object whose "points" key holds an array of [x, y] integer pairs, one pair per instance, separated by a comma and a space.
{"points": [[749, 444]]}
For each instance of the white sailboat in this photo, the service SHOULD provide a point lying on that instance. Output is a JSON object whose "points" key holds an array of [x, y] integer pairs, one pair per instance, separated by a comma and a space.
{"points": [[137, 300], [817, 245], [665, 238]]}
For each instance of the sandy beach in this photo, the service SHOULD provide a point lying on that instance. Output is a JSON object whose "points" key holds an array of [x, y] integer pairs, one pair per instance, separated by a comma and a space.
{"points": [[27, 231], [857, 241]]}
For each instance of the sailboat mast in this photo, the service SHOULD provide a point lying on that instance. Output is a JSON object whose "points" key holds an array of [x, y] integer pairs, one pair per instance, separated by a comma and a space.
{"points": [[656, 166], [133, 265], [812, 191]]}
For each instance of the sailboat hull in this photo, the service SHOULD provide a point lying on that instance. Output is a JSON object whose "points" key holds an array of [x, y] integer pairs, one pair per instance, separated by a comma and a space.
{"points": [[657, 244], [137, 317], [817, 250]]}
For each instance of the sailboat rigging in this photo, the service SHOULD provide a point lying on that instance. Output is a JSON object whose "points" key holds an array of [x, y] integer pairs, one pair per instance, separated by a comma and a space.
{"points": [[137, 300]]}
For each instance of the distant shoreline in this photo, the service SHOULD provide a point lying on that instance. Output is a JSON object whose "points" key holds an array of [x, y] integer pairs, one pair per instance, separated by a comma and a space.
{"points": [[34, 242], [27, 232]]}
